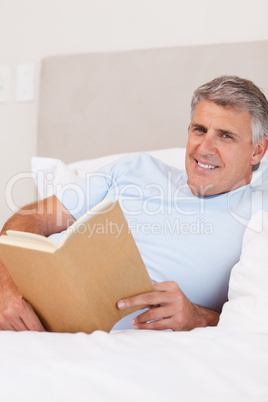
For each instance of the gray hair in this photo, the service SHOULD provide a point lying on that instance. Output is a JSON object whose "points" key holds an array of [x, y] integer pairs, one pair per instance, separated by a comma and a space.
{"points": [[239, 94]]}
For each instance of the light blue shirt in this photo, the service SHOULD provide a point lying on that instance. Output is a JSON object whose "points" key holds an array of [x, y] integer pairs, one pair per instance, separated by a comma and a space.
{"points": [[191, 240]]}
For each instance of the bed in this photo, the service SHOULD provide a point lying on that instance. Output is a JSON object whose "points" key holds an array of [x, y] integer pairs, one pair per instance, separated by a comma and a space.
{"points": [[93, 108]]}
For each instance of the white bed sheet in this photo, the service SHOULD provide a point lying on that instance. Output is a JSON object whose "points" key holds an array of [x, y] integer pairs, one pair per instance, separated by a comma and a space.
{"points": [[206, 364]]}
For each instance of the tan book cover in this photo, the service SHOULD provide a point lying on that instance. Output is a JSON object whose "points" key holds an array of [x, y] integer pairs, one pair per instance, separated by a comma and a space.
{"points": [[75, 286]]}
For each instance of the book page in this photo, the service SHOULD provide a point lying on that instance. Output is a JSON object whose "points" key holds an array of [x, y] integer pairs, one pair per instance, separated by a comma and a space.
{"points": [[84, 218], [28, 240]]}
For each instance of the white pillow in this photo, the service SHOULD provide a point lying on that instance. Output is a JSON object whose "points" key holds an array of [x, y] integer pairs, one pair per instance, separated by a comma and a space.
{"points": [[247, 308], [50, 172]]}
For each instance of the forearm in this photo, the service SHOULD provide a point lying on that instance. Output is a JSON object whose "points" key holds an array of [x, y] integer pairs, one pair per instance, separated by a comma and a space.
{"points": [[44, 217], [26, 220]]}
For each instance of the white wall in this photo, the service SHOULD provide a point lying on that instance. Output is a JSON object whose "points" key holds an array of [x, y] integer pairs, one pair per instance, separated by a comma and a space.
{"points": [[32, 29]]}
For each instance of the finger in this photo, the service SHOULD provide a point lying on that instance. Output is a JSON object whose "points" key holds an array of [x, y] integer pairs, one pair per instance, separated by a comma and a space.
{"points": [[144, 300], [13, 324], [10, 318], [26, 322], [153, 314], [7, 326], [20, 318], [165, 323], [30, 319], [19, 325], [16, 322]]}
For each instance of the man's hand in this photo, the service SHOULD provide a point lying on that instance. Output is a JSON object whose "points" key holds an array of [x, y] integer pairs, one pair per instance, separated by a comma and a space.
{"points": [[169, 308], [15, 313]]}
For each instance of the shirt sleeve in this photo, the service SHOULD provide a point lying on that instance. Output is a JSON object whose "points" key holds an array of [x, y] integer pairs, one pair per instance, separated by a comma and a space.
{"points": [[79, 197]]}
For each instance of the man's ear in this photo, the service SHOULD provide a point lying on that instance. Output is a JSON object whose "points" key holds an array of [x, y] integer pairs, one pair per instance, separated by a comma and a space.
{"points": [[259, 149]]}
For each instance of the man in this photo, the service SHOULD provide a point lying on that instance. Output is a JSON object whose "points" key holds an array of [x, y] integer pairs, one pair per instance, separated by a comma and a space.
{"points": [[187, 226]]}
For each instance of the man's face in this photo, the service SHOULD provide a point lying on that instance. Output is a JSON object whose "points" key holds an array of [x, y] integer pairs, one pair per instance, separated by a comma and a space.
{"points": [[219, 153]]}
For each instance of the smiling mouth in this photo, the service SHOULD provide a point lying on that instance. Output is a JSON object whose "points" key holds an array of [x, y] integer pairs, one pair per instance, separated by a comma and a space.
{"points": [[204, 166]]}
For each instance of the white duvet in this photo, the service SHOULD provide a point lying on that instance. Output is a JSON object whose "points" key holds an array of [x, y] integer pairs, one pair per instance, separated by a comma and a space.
{"points": [[206, 364]]}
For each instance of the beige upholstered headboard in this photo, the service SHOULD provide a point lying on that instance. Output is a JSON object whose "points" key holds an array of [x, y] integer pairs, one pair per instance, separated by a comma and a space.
{"points": [[96, 104]]}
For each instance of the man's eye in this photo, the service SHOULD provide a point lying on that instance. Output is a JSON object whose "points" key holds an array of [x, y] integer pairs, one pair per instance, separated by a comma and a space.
{"points": [[227, 136], [199, 130]]}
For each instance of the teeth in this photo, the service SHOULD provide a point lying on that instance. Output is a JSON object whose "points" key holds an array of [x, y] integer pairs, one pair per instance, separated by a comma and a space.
{"points": [[206, 166]]}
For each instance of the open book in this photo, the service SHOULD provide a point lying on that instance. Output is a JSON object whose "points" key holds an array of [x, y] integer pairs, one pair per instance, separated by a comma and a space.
{"points": [[74, 286]]}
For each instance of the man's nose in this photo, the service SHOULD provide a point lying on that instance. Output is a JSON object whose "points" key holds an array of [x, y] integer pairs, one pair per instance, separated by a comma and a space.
{"points": [[207, 144]]}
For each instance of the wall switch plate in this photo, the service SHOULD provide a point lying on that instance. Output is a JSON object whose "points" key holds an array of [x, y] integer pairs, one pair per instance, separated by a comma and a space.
{"points": [[25, 82], [4, 83]]}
